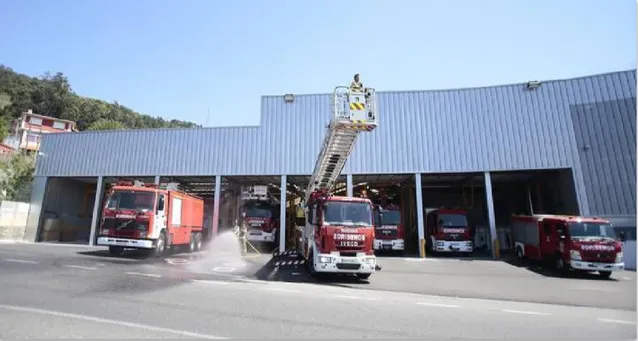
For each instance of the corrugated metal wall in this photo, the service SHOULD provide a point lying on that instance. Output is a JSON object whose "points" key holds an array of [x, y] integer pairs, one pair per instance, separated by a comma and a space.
{"points": [[605, 129], [492, 128]]}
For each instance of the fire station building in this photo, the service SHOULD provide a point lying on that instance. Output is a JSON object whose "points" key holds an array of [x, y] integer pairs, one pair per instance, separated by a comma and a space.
{"points": [[559, 147]]}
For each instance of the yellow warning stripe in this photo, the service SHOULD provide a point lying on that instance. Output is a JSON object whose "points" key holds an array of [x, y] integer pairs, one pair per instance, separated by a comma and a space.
{"points": [[357, 106]]}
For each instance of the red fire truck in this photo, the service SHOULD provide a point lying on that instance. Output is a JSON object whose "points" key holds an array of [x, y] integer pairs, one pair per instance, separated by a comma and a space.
{"points": [[150, 217], [339, 232], [342, 235], [259, 214], [447, 230], [388, 228], [569, 242]]}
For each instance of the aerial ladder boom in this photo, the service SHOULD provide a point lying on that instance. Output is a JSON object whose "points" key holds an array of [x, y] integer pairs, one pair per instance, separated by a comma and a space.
{"points": [[352, 113]]}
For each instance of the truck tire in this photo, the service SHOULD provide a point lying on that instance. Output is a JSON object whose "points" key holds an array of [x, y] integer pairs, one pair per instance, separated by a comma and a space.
{"points": [[115, 250], [160, 246], [363, 276], [192, 245], [519, 254], [198, 241], [604, 274]]}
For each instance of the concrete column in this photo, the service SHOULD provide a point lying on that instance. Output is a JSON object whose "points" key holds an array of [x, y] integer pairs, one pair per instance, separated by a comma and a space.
{"points": [[349, 185], [157, 179], [96, 210], [419, 213], [218, 193], [38, 195], [282, 213], [489, 202]]}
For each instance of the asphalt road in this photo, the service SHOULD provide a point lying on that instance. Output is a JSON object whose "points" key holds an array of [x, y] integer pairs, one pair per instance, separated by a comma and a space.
{"points": [[59, 291]]}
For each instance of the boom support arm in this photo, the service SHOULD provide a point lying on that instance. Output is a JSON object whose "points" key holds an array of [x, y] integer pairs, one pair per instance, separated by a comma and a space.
{"points": [[352, 113]]}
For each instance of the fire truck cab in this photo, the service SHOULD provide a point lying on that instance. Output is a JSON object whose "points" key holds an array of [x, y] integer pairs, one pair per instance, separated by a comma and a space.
{"points": [[259, 214], [338, 235], [448, 230], [388, 228]]}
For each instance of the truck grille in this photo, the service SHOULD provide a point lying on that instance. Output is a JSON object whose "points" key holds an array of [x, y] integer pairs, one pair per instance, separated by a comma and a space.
{"points": [[386, 233], [454, 237], [124, 227], [348, 266], [598, 256]]}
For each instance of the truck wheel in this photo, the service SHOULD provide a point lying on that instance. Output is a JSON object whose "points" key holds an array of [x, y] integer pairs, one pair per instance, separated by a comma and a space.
{"points": [[115, 250], [198, 241], [519, 254], [192, 244], [604, 274], [363, 276], [311, 263], [160, 247]]}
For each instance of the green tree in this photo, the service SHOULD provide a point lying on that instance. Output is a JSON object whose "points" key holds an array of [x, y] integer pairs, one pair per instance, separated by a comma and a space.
{"points": [[106, 124], [16, 176], [52, 95]]}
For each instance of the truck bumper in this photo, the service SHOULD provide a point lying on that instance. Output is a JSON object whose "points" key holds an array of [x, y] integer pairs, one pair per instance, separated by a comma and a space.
{"points": [[453, 246], [592, 266], [333, 263], [391, 244], [125, 242], [260, 236]]}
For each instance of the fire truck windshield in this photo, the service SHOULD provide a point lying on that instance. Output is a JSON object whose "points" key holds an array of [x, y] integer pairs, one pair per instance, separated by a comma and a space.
{"points": [[255, 212], [392, 217], [348, 213], [596, 230], [447, 219], [131, 200]]}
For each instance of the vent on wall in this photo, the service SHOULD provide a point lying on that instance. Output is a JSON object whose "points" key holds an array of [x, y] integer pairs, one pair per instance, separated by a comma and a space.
{"points": [[533, 85], [289, 98]]}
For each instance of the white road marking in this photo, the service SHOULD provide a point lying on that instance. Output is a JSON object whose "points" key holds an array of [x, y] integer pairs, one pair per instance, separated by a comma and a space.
{"points": [[142, 274], [109, 321], [223, 269], [12, 260], [594, 289], [438, 305], [80, 267], [524, 312], [281, 290], [356, 297], [210, 282], [626, 278], [616, 321]]}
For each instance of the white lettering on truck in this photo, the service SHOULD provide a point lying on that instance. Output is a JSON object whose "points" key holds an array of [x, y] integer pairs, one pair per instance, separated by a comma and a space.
{"points": [[353, 237], [597, 247]]}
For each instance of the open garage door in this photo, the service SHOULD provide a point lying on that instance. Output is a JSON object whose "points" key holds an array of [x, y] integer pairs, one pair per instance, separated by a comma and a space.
{"points": [[68, 209]]}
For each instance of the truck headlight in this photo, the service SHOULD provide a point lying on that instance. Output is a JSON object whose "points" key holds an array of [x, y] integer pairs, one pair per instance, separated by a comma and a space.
{"points": [[574, 255], [324, 259], [619, 257], [370, 260]]}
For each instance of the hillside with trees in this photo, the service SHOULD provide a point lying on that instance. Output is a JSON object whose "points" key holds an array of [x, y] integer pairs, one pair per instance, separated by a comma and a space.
{"points": [[52, 95]]}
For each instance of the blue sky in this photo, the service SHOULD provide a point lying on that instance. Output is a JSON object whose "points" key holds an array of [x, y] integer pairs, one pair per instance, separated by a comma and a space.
{"points": [[179, 59]]}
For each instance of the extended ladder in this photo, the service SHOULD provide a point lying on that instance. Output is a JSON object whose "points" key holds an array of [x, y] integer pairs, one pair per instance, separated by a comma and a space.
{"points": [[352, 112]]}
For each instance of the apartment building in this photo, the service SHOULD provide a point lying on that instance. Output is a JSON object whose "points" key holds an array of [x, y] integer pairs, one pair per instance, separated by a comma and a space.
{"points": [[27, 131]]}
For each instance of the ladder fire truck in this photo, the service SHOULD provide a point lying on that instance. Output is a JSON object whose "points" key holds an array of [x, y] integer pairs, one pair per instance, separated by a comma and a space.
{"points": [[339, 233]]}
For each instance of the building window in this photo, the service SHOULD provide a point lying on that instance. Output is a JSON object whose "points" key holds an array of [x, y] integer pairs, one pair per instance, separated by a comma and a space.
{"points": [[33, 138], [59, 125], [35, 120]]}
